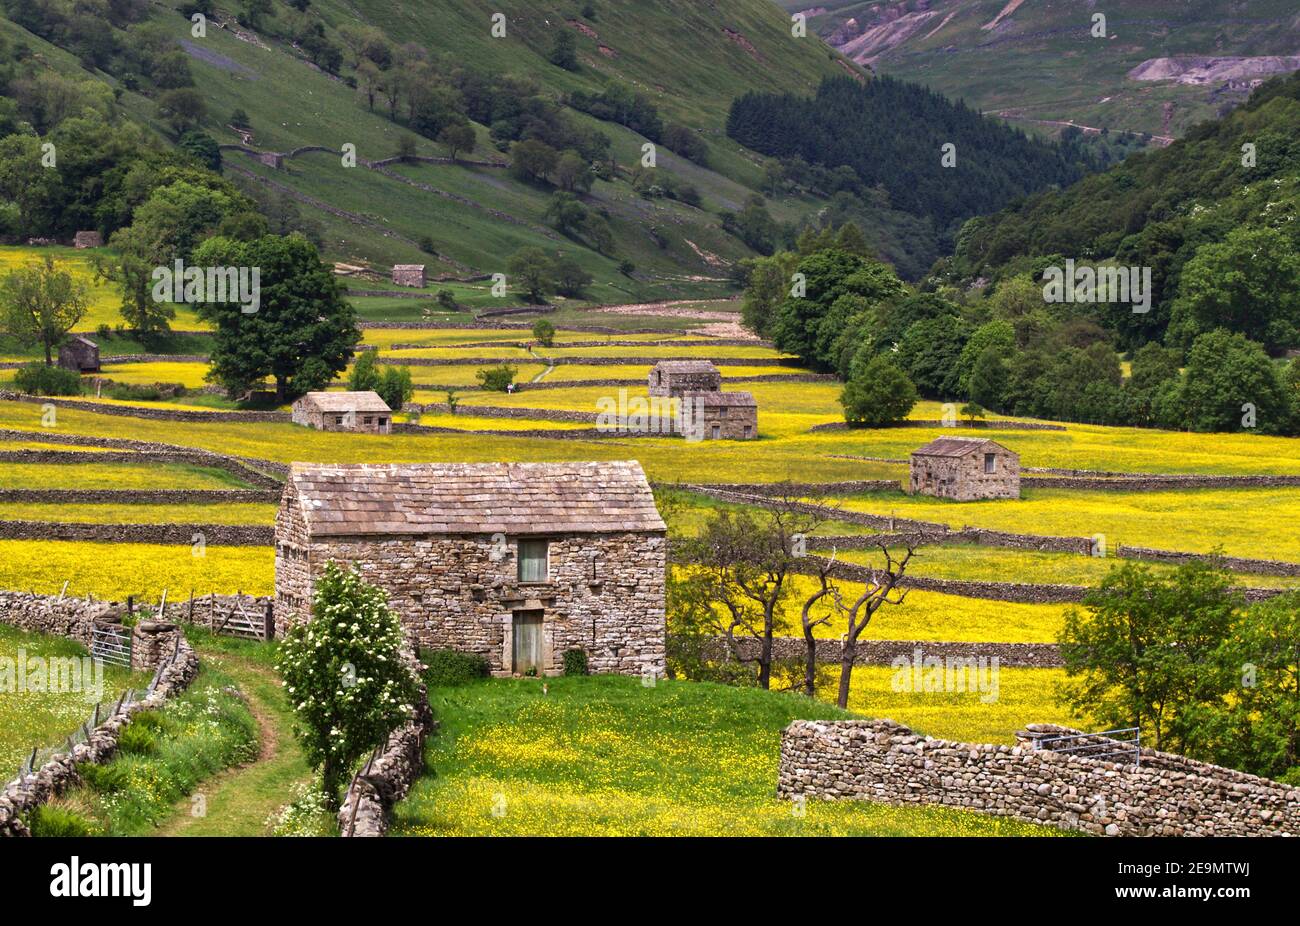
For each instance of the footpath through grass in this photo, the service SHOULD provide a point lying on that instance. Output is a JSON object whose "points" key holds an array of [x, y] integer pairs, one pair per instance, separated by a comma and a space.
{"points": [[604, 755], [243, 800]]}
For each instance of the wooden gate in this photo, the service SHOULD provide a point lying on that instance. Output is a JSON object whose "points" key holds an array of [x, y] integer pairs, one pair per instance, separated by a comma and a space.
{"points": [[242, 621], [527, 643], [111, 643]]}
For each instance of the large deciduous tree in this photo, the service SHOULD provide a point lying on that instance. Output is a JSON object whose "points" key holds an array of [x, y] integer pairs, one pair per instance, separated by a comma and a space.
{"points": [[39, 304], [303, 333]]}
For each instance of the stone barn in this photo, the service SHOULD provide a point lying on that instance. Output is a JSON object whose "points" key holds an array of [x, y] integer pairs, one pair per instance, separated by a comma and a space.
{"points": [[79, 354], [344, 411], [672, 378], [87, 239], [965, 469], [518, 562], [723, 415], [409, 275]]}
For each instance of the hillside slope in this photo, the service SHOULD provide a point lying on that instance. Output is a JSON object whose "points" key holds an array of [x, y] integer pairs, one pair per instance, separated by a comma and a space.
{"points": [[1164, 65]]}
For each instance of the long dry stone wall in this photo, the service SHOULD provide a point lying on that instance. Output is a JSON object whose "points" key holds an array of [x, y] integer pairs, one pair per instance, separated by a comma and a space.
{"points": [[1163, 795], [142, 411], [156, 645], [220, 535], [139, 496], [884, 652]]}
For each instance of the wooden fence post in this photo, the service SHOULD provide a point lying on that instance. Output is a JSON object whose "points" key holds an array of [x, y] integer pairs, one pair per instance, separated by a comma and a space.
{"points": [[268, 625]]}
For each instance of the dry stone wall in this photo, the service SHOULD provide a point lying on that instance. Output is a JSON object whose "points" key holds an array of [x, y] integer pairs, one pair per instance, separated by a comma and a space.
{"points": [[1164, 795], [389, 774], [139, 496], [220, 535], [155, 645]]}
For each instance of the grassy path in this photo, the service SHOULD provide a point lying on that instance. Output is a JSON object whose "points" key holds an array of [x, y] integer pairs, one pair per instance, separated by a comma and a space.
{"points": [[240, 800]]}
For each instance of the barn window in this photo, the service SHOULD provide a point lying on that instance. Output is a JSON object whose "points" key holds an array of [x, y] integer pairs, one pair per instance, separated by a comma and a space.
{"points": [[990, 462], [532, 561]]}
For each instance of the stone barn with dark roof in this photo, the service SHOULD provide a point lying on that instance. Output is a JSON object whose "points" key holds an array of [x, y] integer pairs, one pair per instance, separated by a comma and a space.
{"points": [[673, 378], [79, 354], [965, 469], [344, 411], [518, 562]]}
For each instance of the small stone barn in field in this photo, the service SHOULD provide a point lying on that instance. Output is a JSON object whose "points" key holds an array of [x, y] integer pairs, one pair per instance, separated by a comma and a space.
{"points": [[724, 415], [344, 411], [672, 378], [409, 275], [81, 355], [965, 469], [87, 239], [518, 562]]}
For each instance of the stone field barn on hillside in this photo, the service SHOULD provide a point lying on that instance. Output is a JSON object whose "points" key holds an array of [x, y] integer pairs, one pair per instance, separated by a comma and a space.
{"points": [[965, 469], [344, 411], [518, 562], [673, 378], [79, 354]]}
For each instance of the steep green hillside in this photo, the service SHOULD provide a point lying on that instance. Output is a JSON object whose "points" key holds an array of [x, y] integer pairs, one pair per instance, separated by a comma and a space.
{"points": [[1158, 209], [1035, 62], [289, 78]]}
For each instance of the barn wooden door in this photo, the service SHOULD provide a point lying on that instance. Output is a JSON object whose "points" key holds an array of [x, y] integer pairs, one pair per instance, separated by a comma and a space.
{"points": [[527, 649]]}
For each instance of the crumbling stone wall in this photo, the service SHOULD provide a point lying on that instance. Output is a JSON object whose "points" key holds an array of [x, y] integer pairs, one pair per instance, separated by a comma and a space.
{"points": [[1166, 795]]}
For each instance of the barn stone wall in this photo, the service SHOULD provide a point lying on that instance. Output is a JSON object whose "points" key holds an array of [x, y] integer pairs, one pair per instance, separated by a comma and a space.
{"points": [[963, 478], [1166, 795], [605, 595], [731, 421]]}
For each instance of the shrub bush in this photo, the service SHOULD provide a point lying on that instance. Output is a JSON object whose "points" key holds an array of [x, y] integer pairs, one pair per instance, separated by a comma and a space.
{"points": [[575, 662], [55, 821], [106, 779], [497, 379], [448, 667], [38, 379], [137, 740]]}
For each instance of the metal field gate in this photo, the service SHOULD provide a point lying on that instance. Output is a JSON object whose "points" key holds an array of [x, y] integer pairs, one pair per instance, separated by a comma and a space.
{"points": [[111, 643]]}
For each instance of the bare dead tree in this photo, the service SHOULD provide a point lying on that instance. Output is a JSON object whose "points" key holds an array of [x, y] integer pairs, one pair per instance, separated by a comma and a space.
{"points": [[878, 589]]}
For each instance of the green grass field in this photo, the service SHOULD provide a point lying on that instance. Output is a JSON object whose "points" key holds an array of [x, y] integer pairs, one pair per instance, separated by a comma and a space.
{"points": [[607, 756], [34, 716]]}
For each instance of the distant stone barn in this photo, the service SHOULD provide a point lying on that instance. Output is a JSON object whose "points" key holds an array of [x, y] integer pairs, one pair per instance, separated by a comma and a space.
{"points": [[672, 378], [344, 411], [965, 469], [518, 562], [87, 239], [81, 355], [723, 415], [409, 275]]}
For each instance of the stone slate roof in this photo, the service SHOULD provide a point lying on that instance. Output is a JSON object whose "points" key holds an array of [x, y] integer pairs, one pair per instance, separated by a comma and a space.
{"points": [[686, 366], [957, 447], [339, 402], [727, 399], [419, 267], [474, 498]]}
